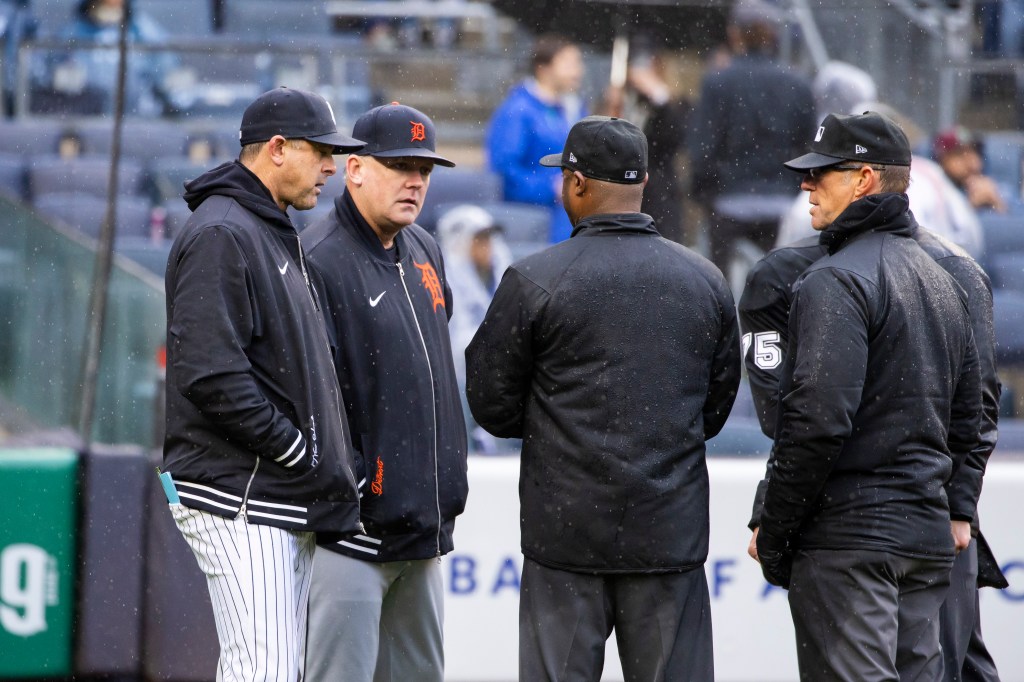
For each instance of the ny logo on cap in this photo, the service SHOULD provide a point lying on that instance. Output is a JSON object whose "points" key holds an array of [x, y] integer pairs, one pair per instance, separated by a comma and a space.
{"points": [[860, 150], [419, 131], [631, 175], [821, 131]]}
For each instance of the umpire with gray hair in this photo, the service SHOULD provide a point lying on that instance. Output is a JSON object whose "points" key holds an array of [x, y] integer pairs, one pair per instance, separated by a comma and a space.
{"points": [[872, 489], [614, 355]]}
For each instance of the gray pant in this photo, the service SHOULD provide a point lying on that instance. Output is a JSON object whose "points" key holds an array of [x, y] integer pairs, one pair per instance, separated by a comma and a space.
{"points": [[662, 625], [865, 616], [375, 622], [965, 657]]}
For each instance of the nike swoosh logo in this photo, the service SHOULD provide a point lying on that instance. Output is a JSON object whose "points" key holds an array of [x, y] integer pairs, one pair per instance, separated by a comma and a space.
{"points": [[375, 301], [284, 269]]}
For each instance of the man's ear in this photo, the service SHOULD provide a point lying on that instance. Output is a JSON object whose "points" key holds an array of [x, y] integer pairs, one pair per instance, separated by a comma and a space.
{"points": [[354, 170], [275, 148], [579, 183], [868, 182]]}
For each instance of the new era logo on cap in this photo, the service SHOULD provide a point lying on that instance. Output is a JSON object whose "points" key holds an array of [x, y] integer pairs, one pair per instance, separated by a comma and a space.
{"points": [[860, 150], [572, 157]]}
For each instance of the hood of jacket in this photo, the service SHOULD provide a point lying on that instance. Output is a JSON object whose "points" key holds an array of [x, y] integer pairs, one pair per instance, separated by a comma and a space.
{"points": [[885, 212], [234, 180]]}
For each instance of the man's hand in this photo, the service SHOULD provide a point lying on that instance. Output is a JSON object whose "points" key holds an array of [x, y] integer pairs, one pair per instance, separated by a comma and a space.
{"points": [[752, 547], [961, 534]]}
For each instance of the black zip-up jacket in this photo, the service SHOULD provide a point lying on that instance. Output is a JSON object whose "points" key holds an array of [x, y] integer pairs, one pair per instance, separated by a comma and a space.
{"points": [[254, 416], [388, 322], [881, 397], [614, 356], [764, 314]]}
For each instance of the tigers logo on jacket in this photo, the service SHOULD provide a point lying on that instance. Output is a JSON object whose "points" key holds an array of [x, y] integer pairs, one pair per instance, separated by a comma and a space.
{"points": [[431, 283]]}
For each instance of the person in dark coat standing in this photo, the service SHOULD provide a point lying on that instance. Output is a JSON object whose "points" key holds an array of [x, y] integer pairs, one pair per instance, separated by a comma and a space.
{"points": [[750, 113], [764, 313], [614, 356], [377, 598], [256, 448], [872, 488]]}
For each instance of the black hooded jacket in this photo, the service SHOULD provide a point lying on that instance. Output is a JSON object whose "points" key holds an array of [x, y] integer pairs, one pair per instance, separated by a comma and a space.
{"points": [[389, 326], [614, 356], [254, 416], [881, 397]]}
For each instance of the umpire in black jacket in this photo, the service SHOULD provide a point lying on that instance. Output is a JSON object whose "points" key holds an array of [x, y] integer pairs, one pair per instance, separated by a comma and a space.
{"points": [[880, 406], [614, 356]]}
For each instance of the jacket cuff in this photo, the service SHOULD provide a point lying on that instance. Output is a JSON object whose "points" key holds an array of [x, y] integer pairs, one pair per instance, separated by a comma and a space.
{"points": [[295, 453], [755, 512]]}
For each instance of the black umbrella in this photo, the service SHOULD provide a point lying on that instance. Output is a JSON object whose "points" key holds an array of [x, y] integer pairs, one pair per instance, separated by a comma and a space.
{"points": [[669, 24]]}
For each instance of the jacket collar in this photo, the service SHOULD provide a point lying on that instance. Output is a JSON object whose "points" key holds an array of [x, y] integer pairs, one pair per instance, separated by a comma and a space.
{"points": [[887, 212], [354, 222], [616, 222]]}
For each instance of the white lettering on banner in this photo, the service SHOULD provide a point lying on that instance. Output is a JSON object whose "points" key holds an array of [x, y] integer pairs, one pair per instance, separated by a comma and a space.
{"points": [[751, 618], [28, 584]]}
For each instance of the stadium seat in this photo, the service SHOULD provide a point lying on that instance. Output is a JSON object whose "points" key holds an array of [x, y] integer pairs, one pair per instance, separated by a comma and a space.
{"points": [[86, 212], [169, 174], [31, 136], [257, 19], [190, 18], [141, 139], [12, 174], [144, 251], [1008, 311], [1007, 271], [1003, 152], [458, 186], [176, 212], [1003, 233], [89, 174]]}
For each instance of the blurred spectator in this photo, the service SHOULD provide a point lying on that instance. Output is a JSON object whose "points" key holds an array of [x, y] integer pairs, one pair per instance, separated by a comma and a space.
{"points": [[840, 87], [70, 144], [648, 102], [475, 255], [751, 113], [959, 154], [534, 121], [17, 24], [94, 71]]}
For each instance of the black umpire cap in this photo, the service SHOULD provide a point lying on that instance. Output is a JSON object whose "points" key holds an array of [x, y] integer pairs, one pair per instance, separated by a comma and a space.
{"points": [[864, 138]]}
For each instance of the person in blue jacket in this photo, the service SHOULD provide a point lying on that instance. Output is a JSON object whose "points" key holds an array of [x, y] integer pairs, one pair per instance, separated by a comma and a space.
{"points": [[534, 121]]}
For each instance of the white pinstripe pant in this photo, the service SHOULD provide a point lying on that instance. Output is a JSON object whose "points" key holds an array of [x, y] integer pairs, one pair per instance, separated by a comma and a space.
{"points": [[259, 585]]}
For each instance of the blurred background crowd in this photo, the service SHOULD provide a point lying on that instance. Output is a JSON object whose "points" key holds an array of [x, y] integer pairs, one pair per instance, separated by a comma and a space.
{"points": [[725, 90]]}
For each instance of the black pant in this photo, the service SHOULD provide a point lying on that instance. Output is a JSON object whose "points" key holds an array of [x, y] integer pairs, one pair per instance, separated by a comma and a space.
{"points": [[867, 616], [965, 656], [662, 625]]}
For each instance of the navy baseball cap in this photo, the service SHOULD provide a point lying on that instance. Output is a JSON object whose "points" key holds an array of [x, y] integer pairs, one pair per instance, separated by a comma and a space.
{"points": [[295, 115], [864, 138], [604, 148], [394, 130]]}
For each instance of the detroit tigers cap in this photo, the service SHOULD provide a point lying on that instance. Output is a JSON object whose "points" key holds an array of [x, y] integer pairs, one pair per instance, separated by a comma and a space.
{"points": [[865, 138], [295, 115], [604, 148], [392, 130]]}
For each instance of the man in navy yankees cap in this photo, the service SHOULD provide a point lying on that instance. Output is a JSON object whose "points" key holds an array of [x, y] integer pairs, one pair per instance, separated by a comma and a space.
{"points": [[257, 455], [376, 598]]}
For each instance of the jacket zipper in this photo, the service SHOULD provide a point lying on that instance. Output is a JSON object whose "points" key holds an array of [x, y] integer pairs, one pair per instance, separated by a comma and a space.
{"points": [[305, 275], [244, 510], [433, 407]]}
